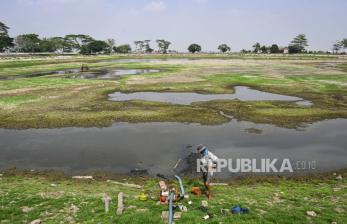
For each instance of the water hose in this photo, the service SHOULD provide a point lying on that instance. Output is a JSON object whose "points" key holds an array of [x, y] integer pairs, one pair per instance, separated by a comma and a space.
{"points": [[172, 195], [181, 187]]}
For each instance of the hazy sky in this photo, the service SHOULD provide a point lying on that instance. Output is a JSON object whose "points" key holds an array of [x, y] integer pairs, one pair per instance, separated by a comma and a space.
{"points": [[239, 23]]}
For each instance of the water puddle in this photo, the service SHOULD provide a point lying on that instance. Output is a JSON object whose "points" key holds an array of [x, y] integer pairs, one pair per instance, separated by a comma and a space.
{"points": [[242, 93], [112, 74]]}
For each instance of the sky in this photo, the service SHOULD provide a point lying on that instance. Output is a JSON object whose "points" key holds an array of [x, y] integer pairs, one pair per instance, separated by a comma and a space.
{"points": [[238, 23]]}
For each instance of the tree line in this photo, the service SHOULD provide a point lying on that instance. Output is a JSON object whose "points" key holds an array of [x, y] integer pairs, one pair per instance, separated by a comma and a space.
{"points": [[85, 44]]}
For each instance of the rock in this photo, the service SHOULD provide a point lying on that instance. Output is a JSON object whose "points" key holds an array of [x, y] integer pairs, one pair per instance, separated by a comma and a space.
{"points": [[339, 177], [183, 208], [305, 198], [339, 210], [26, 209], [165, 216], [311, 213], [334, 174], [190, 202], [36, 221], [204, 204], [333, 222], [177, 215], [186, 196], [206, 217], [53, 185], [132, 207], [74, 209], [336, 189]]}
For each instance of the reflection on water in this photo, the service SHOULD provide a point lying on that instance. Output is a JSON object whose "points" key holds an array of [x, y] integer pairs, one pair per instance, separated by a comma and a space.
{"points": [[157, 146], [241, 92]]}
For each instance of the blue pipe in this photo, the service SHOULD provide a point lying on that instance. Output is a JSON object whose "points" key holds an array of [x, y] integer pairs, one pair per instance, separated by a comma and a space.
{"points": [[172, 195], [181, 187]]}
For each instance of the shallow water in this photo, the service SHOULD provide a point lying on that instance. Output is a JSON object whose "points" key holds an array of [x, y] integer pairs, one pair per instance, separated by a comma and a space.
{"points": [[241, 92], [157, 146], [112, 73]]}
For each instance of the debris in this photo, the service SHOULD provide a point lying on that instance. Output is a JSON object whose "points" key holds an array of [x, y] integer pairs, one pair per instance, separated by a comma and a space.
{"points": [[339, 177], [124, 184], [83, 177], [339, 210], [190, 202], [143, 197], [53, 185], [139, 172], [142, 210], [106, 199], [36, 221], [165, 215], [218, 184], [132, 207], [186, 196], [204, 204], [84, 68], [120, 207], [336, 189], [178, 162], [238, 209], [311, 213], [196, 191], [182, 208], [206, 217], [224, 211]]}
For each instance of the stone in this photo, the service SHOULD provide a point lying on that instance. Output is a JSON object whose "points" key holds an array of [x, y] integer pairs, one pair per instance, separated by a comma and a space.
{"points": [[311, 213], [204, 204], [339, 177]]}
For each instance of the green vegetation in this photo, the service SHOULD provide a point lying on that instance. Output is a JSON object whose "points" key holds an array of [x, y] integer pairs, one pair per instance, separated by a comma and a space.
{"points": [[54, 198]]}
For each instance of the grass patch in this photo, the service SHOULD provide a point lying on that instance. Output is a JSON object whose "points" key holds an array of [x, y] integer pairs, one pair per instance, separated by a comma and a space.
{"points": [[270, 200]]}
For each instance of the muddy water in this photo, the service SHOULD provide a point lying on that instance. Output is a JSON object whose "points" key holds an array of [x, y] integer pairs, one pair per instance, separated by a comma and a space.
{"points": [[157, 146], [112, 73], [241, 92]]}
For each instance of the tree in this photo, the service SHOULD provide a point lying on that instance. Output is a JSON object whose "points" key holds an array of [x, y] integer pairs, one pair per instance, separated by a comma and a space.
{"points": [[300, 42], [163, 45], [294, 49], [194, 48], [28, 42], [138, 45], [256, 47], [76, 41], [122, 49], [5, 40], [111, 44], [94, 47], [274, 49], [3, 28], [224, 48], [344, 43], [337, 46], [263, 49], [146, 46]]}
